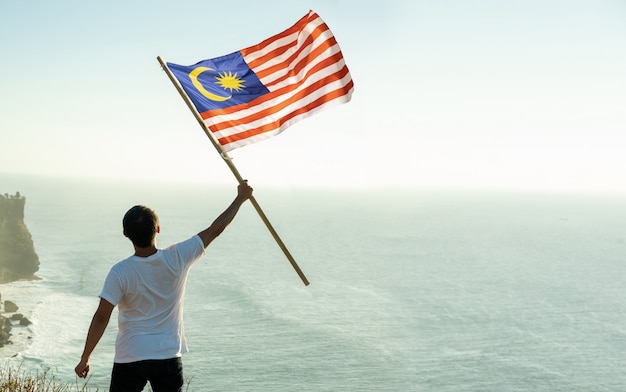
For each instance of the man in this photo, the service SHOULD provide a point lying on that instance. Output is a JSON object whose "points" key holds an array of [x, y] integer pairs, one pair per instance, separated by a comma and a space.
{"points": [[149, 288]]}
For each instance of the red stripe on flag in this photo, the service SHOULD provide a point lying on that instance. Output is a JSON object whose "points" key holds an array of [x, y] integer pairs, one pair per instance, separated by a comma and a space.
{"points": [[315, 53], [276, 124], [281, 105], [298, 26], [272, 111], [308, 41]]}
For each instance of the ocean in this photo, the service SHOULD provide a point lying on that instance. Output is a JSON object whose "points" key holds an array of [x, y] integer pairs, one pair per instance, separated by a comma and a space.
{"points": [[419, 290]]}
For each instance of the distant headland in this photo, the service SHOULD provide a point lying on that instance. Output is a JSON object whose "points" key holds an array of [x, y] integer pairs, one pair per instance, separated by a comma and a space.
{"points": [[18, 259]]}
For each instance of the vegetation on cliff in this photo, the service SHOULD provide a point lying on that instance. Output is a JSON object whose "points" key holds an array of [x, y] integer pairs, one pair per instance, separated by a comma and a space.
{"points": [[14, 379], [18, 259]]}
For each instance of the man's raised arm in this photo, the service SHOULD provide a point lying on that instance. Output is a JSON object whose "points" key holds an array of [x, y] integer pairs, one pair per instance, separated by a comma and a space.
{"points": [[244, 191]]}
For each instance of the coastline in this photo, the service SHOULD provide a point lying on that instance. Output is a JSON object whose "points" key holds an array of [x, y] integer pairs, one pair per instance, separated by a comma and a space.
{"points": [[20, 292]]}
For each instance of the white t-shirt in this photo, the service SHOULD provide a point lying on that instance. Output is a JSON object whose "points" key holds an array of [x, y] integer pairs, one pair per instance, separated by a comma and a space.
{"points": [[150, 293]]}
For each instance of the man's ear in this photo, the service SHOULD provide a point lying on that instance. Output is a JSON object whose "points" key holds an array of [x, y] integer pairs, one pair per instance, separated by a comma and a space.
{"points": [[158, 229], [125, 235]]}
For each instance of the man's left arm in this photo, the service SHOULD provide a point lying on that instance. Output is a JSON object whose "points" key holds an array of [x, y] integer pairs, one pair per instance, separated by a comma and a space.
{"points": [[96, 330]]}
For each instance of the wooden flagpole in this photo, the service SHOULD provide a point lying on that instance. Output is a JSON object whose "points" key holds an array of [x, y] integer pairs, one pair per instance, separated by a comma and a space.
{"points": [[233, 169]]}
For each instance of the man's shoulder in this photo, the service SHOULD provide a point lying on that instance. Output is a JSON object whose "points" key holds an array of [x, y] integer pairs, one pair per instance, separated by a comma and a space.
{"points": [[190, 242], [186, 251]]}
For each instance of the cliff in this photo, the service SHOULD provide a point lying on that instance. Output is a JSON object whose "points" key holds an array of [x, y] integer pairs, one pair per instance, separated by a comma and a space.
{"points": [[18, 259]]}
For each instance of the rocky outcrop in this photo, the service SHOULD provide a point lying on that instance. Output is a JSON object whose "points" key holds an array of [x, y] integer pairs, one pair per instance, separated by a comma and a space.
{"points": [[10, 307], [6, 322], [5, 331], [18, 259]]}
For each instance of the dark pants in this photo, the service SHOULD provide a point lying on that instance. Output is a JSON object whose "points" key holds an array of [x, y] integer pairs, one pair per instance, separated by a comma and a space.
{"points": [[165, 375]]}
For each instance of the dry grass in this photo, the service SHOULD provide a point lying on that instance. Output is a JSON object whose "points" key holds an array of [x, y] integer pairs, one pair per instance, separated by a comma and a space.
{"points": [[14, 379]]}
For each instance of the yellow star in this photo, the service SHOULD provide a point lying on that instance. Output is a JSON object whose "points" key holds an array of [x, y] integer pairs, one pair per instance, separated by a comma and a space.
{"points": [[229, 81]]}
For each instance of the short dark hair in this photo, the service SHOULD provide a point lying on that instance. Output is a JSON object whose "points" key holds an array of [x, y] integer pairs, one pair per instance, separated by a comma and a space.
{"points": [[140, 225]]}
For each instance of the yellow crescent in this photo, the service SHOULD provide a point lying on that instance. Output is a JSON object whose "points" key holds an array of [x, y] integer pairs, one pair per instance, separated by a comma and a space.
{"points": [[193, 75]]}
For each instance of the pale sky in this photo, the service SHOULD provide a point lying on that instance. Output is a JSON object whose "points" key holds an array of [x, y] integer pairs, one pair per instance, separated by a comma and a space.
{"points": [[527, 94]]}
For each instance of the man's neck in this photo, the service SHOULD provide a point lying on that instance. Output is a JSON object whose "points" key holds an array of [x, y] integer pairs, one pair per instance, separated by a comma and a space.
{"points": [[145, 252]]}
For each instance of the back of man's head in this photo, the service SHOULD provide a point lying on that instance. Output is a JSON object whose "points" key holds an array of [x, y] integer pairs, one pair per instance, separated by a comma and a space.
{"points": [[140, 225]]}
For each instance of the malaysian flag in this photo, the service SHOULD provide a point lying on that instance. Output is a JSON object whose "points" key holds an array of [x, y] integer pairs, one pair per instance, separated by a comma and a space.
{"points": [[259, 91]]}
